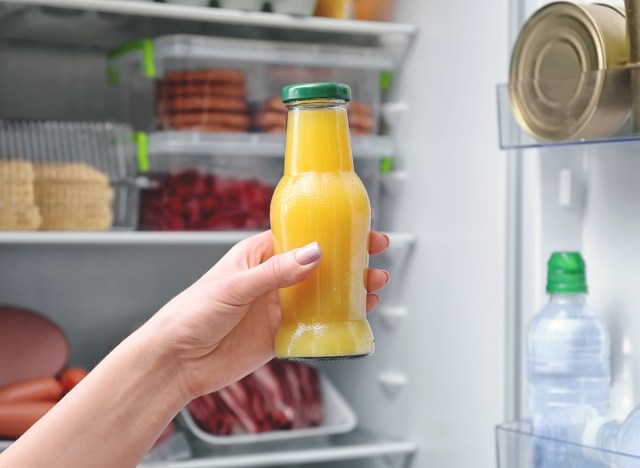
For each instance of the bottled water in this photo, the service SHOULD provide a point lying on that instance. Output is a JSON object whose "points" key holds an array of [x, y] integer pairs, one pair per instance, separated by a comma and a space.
{"points": [[568, 364], [615, 437]]}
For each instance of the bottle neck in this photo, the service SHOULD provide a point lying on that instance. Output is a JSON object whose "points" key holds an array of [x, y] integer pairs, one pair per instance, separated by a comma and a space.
{"points": [[563, 298], [318, 137]]}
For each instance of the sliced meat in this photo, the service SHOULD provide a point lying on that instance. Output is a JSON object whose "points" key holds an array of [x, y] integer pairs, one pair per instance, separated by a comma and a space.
{"points": [[237, 399], [280, 395]]}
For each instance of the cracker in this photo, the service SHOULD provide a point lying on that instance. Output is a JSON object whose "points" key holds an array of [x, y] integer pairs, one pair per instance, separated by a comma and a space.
{"points": [[70, 172], [15, 170], [100, 223], [25, 220]]}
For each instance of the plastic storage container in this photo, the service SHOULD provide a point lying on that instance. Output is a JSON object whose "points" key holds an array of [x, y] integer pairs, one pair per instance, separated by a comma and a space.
{"points": [[516, 448], [339, 418], [61, 176], [216, 181], [213, 84]]}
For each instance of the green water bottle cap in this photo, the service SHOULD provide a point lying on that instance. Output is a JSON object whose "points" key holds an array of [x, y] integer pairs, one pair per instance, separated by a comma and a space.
{"points": [[297, 92], [566, 273]]}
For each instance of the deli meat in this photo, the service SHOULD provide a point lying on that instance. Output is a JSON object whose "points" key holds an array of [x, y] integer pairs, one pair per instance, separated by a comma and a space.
{"points": [[278, 396]]}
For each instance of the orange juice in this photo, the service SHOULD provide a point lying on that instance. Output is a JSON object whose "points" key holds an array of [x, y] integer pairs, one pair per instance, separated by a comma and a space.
{"points": [[320, 198]]}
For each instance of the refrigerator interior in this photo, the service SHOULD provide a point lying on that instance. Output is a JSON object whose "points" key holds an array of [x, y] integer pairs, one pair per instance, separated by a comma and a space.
{"points": [[437, 380]]}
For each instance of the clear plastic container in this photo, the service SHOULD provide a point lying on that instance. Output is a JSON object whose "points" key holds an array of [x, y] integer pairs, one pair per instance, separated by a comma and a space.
{"points": [[213, 84], [217, 181], [517, 444], [66, 176]]}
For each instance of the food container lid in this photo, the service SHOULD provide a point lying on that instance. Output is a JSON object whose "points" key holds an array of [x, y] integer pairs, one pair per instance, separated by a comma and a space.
{"points": [[554, 83], [329, 90]]}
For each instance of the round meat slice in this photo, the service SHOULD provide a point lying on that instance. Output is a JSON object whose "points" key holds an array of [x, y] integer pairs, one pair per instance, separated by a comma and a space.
{"points": [[30, 346]]}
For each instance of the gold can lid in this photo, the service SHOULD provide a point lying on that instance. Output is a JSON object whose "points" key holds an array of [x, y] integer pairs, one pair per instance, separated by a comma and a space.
{"points": [[554, 86]]}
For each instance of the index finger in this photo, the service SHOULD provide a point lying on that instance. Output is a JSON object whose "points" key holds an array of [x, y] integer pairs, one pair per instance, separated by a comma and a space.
{"points": [[378, 242]]}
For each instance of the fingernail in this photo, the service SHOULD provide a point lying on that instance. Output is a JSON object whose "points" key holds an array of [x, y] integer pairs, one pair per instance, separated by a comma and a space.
{"points": [[308, 254], [388, 240], [386, 273]]}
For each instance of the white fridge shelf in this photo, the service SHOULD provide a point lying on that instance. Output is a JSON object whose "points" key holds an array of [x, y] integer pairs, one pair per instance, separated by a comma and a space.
{"points": [[354, 446], [398, 239], [102, 23], [254, 144], [220, 15]]}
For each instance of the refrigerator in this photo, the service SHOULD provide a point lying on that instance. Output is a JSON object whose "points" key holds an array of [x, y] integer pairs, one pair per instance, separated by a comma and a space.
{"points": [[471, 224]]}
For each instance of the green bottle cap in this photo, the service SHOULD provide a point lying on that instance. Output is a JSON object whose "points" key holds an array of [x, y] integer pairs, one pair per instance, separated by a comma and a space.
{"points": [[296, 92], [566, 273]]}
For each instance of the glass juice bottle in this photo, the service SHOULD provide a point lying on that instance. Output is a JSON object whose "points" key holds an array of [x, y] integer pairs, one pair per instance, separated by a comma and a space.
{"points": [[320, 198]]}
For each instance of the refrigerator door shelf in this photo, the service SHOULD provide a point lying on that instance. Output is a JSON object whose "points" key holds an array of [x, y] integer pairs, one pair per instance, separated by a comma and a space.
{"points": [[519, 447], [599, 112]]}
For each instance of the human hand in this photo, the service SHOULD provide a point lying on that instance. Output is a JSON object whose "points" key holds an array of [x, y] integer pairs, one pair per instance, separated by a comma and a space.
{"points": [[223, 326]]}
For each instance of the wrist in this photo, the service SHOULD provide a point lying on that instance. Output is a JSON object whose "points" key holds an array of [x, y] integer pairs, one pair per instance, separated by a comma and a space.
{"points": [[161, 364]]}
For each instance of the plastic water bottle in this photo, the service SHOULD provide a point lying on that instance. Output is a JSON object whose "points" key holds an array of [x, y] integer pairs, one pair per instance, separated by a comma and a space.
{"points": [[568, 364], [620, 441]]}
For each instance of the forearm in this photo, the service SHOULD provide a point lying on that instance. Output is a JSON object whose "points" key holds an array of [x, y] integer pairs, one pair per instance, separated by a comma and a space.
{"points": [[112, 417]]}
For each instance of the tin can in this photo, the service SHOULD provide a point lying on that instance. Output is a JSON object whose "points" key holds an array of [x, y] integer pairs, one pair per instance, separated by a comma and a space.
{"points": [[561, 83], [632, 9]]}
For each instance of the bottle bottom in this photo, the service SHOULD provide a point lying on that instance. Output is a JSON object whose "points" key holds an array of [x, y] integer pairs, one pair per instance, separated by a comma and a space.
{"points": [[333, 341], [351, 357]]}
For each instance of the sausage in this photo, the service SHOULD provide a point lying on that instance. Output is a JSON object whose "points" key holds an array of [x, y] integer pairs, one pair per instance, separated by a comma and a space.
{"points": [[16, 418], [36, 389], [71, 377]]}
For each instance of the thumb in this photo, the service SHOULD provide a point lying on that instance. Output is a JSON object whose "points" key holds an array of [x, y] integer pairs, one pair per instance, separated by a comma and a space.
{"points": [[280, 271]]}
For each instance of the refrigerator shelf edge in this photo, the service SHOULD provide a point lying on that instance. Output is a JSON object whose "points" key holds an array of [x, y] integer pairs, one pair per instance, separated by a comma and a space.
{"points": [[354, 446], [221, 15], [124, 238], [392, 36]]}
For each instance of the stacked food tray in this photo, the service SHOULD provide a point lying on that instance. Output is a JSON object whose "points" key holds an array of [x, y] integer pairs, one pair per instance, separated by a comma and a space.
{"points": [[216, 181], [204, 99], [62, 176], [198, 83]]}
